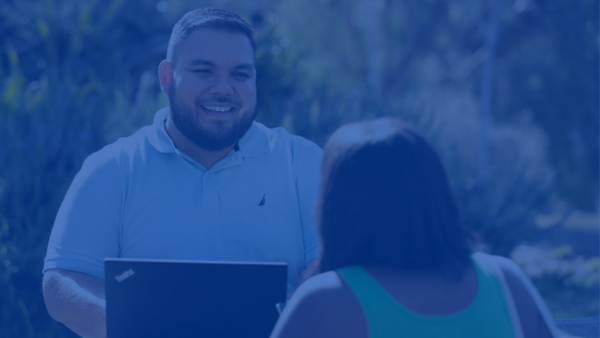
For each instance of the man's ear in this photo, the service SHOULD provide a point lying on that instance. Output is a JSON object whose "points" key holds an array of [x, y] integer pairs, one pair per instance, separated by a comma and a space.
{"points": [[165, 75]]}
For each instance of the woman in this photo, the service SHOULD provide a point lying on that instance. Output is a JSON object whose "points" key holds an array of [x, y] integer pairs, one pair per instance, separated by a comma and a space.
{"points": [[395, 261]]}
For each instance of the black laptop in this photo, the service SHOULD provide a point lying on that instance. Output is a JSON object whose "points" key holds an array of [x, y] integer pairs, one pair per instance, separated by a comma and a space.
{"points": [[168, 298]]}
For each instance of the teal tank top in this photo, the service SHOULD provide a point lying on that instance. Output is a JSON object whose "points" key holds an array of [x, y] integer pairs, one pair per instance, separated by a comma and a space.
{"points": [[487, 316]]}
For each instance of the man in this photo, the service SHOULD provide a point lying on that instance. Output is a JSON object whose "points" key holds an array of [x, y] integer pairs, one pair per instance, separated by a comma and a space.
{"points": [[203, 182]]}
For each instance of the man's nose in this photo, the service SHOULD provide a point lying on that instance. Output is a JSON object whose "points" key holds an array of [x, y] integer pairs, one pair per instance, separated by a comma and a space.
{"points": [[221, 86]]}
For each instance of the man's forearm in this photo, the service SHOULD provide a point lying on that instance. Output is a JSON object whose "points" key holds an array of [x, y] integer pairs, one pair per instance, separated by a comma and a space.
{"points": [[76, 300]]}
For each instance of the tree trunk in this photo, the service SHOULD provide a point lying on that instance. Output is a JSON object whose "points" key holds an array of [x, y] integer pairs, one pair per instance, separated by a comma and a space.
{"points": [[491, 32], [372, 35]]}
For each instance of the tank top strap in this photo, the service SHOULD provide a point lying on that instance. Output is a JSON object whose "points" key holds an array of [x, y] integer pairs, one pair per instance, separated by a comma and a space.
{"points": [[486, 316]]}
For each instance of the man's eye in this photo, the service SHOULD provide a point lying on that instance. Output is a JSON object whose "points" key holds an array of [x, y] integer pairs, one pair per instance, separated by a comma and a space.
{"points": [[202, 71], [241, 75]]}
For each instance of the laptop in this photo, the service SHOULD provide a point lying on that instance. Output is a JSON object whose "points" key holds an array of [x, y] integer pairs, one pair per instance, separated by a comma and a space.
{"points": [[170, 298]]}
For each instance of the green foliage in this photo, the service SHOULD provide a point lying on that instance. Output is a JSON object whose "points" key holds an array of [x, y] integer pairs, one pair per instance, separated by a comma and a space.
{"points": [[276, 78], [498, 207], [60, 102]]}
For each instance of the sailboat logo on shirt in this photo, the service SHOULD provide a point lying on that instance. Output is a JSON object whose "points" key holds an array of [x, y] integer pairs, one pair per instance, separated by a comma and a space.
{"points": [[262, 202]]}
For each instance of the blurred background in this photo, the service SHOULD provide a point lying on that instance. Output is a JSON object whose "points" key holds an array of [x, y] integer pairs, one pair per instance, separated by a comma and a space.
{"points": [[506, 90]]}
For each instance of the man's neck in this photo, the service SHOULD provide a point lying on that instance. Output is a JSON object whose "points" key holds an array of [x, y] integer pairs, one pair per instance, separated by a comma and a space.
{"points": [[205, 158]]}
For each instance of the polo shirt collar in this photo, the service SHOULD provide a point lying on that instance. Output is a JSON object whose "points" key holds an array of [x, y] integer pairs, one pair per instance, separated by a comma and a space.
{"points": [[157, 136], [253, 143]]}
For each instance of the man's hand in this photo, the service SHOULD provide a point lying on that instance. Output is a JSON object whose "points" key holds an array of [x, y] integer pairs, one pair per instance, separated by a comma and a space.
{"points": [[77, 300]]}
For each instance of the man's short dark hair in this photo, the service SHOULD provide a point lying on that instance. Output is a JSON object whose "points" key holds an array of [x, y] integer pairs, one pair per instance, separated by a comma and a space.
{"points": [[206, 18], [385, 201]]}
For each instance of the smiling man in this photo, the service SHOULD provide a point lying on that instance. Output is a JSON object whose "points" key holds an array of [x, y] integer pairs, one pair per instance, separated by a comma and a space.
{"points": [[203, 182], [210, 80]]}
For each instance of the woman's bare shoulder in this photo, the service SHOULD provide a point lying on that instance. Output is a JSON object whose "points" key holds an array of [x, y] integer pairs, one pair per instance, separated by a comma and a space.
{"points": [[323, 306], [323, 283], [324, 293], [526, 298]]}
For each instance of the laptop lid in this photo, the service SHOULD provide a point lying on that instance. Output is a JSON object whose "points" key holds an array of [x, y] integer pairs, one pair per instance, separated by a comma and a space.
{"points": [[169, 298]]}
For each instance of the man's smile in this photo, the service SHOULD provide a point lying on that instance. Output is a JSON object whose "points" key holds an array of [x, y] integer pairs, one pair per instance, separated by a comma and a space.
{"points": [[217, 108]]}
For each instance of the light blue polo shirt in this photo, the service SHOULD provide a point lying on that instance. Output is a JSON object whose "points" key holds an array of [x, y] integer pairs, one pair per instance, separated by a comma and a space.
{"points": [[140, 197]]}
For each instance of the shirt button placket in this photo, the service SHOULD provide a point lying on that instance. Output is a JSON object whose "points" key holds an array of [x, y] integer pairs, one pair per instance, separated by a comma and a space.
{"points": [[208, 197]]}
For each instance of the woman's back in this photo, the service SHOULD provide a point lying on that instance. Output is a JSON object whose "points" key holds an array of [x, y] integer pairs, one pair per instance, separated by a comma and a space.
{"points": [[430, 306], [358, 302], [423, 293]]}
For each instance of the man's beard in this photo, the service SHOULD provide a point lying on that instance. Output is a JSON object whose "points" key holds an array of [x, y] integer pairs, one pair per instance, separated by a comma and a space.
{"points": [[214, 137]]}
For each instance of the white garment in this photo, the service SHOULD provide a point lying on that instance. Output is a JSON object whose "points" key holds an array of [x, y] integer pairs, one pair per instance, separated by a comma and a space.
{"points": [[140, 197]]}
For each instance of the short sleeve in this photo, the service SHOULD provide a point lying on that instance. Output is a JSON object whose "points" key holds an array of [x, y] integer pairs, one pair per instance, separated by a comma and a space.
{"points": [[87, 226], [308, 179]]}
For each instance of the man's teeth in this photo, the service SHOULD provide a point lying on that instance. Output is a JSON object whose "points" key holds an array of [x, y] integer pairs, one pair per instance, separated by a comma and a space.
{"points": [[219, 109]]}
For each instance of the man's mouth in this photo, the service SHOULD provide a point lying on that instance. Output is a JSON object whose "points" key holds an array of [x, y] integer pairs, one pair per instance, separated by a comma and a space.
{"points": [[217, 108]]}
